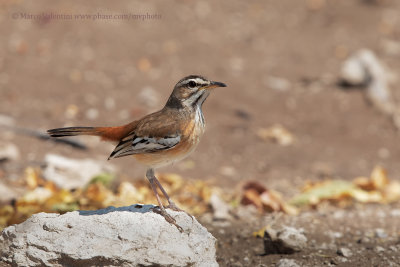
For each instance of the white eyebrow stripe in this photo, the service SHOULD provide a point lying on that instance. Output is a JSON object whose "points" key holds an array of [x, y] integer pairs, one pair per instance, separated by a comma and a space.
{"points": [[198, 81], [201, 81]]}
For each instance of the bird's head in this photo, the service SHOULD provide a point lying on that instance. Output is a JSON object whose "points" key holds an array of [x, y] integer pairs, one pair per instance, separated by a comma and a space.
{"points": [[191, 91]]}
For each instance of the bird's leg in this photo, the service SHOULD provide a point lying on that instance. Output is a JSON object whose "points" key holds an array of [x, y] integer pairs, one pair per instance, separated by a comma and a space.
{"points": [[171, 204], [154, 183]]}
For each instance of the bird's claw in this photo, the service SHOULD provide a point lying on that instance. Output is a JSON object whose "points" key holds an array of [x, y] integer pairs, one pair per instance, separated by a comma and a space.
{"points": [[174, 207], [167, 217]]}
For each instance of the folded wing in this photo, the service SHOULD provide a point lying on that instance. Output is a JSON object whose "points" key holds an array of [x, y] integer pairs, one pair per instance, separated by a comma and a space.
{"points": [[133, 144]]}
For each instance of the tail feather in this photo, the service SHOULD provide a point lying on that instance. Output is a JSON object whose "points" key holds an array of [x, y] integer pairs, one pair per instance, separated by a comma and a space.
{"points": [[106, 133], [73, 131]]}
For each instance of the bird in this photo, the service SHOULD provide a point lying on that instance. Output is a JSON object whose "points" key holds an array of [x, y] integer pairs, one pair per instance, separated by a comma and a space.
{"points": [[160, 138]]}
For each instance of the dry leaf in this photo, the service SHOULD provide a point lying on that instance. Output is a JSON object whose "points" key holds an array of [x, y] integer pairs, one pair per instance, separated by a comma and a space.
{"points": [[260, 233], [191, 195], [254, 193], [326, 190], [6, 213], [392, 192], [379, 178], [99, 195], [376, 189], [32, 178]]}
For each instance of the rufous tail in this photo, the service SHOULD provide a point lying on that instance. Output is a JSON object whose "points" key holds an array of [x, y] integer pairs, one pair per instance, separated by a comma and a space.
{"points": [[106, 133]]}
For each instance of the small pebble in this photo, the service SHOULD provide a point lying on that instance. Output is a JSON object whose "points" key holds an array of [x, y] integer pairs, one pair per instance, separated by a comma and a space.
{"points": [[286, 240], [345, 252], [287, 263], [379, 232]]}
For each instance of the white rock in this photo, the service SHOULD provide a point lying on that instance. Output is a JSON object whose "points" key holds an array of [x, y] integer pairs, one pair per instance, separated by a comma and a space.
{"points": [[292, 238], [381, 233], [287, 263], [71, 173], [364, 68], [8, 151], [353, 72], [284, 241], [126, 236], [220, 208], [345, 252]]}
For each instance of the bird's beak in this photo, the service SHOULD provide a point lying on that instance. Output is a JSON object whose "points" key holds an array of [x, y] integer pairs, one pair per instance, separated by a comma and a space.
{"points": [[214, 85]]}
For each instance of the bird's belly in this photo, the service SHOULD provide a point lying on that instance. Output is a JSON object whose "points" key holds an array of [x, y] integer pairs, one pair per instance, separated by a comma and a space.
{"points": [[166, 157], [174, 154]]}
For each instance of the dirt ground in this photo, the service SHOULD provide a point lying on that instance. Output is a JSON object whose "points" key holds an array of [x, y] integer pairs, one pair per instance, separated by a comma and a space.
{"points": [[62, 72]]}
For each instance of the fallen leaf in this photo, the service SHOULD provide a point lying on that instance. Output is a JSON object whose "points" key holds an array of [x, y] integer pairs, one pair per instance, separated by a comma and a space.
{"points": [[376, 189], [256, 194], [379, 178], [392, 192], [98, 195], [325, 190], [32, 178], [260, 233], [103, 178]]}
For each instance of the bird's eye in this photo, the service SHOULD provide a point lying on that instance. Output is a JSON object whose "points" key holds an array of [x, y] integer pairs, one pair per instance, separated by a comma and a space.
{"points": [[192, 84]]}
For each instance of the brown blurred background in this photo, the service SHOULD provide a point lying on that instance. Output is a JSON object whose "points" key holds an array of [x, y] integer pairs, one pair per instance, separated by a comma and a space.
{"points": [[280, 59]]}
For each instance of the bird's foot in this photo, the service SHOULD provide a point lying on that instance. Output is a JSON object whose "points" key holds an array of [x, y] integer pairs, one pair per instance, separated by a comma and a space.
{"points": [[167, 217], [174, 207]]}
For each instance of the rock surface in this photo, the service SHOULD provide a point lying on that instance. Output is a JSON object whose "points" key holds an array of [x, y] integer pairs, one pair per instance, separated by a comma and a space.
{"points": [[365, 69], [126, 236], [286, 240], [345, 252]]}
